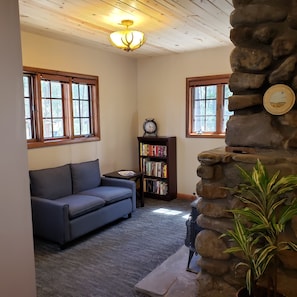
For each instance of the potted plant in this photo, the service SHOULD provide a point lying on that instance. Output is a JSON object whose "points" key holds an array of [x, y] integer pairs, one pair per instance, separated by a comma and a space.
{"points": [[268, 205]]}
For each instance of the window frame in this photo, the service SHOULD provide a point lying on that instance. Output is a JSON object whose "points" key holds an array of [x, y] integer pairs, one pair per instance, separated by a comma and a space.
{"points": [[66, 78], [219, 81]]}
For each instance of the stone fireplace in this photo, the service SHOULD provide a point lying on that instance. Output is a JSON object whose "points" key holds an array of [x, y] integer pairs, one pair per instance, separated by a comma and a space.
{"points": [[264, 33]]}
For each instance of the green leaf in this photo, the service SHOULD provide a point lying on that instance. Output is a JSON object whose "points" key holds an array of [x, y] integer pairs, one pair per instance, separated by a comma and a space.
{"points": [[269, 206], [292, 245]]}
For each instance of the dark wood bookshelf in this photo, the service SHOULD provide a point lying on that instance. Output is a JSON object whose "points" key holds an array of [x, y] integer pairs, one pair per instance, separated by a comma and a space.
{"points": [[157, 162]]}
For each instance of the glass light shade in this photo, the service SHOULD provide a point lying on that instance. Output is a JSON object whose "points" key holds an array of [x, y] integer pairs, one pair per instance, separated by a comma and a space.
{"points": [[127, 40]]}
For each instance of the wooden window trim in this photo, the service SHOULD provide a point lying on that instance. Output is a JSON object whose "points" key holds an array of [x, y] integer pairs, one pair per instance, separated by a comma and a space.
{"points": [[67, 78], [204, 81]]}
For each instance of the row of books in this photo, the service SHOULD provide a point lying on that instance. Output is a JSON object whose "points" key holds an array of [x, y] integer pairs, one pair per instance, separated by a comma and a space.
{"points": [[152, 150], [155, 186], [154, 168]]}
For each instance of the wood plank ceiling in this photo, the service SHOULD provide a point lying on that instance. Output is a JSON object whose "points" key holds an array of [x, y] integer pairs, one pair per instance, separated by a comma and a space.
{"points": [[170, 26]]}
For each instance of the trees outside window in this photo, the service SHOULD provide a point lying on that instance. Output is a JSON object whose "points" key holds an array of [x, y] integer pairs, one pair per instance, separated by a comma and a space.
{"points": [[207, 106], [60, 107]]}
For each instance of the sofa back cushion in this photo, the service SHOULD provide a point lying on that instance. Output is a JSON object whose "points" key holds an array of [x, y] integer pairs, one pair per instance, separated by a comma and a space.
{"points": [[51, 183], [85, 176]]}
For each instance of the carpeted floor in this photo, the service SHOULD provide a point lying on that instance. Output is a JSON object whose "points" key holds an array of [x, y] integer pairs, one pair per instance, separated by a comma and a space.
{"points": [[110, 261]]}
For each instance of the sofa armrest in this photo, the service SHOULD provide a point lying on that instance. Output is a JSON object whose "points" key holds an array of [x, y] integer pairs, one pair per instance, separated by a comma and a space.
{"points": [[116, 182], [50, 219]]}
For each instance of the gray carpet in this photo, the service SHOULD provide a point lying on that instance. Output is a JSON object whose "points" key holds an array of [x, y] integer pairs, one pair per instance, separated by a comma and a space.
{"points": [[110, 261]]}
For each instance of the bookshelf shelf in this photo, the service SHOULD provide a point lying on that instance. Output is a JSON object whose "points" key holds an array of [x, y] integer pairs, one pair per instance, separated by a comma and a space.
{"points": [[157, 162]]}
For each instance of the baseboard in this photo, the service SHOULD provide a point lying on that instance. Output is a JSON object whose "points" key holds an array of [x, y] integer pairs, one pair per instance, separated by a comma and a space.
{"points": [[186, 196]]}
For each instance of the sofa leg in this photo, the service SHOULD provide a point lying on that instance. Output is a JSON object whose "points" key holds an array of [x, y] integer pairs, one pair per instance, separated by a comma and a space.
{"points": [[63, 246], [130, 215]]}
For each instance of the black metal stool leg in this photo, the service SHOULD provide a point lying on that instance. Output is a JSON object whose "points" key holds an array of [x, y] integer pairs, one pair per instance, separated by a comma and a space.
{"points": [[191, 253]]}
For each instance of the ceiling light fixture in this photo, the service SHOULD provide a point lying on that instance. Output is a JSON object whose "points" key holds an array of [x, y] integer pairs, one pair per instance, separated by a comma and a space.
{"points": [[128, 40]]}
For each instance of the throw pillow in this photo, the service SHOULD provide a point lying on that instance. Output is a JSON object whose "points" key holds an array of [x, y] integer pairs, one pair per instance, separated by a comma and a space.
{"points": [[85, 176], [51, 183]]}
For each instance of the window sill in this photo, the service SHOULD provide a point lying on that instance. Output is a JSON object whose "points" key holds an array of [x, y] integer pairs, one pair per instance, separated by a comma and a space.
{"points": [[49, 143], [196, 135]]}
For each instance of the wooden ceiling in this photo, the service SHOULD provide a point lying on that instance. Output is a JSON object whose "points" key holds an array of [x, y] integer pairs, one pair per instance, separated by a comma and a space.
{"points": [[170, 26]]}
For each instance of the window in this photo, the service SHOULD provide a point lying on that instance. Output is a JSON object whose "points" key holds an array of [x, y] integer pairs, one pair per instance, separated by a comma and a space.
{"points": [[60, 107], [207, 106]]}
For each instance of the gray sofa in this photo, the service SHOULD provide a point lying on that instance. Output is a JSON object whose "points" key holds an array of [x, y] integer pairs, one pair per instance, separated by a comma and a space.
{"points": [[71, 200]]}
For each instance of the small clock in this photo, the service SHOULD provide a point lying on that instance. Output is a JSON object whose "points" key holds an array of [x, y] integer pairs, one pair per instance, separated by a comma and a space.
{"points": [[279, 99], [150, 127]]}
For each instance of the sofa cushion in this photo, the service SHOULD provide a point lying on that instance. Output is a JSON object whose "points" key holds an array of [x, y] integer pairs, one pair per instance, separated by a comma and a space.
{"points": [[109, 194], [85, 175], [81, 204], [51, 183]]}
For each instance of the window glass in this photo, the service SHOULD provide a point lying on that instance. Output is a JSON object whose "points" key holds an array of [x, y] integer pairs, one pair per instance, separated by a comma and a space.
{"points": [[207, 106], [81, 108], [226, 112], [66, 107], [52, 109], [28, 106]]}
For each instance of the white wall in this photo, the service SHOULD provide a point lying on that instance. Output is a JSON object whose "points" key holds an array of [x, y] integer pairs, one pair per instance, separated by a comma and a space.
{"points": [[161, 92], [130, 91], [118, 103], [16, 249]]}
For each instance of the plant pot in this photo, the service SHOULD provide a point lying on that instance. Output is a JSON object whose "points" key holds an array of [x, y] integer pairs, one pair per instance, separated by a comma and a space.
{"points": [[261, 292]]}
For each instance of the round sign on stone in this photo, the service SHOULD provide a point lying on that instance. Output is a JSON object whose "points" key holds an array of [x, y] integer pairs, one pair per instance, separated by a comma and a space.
{"points": [[279, 99]]}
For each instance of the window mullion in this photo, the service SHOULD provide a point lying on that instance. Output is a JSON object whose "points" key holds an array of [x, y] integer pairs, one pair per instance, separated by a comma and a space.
{"points": [[68, 113], [191, 109], [95, 108], [38, 110], [219, 109]]}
